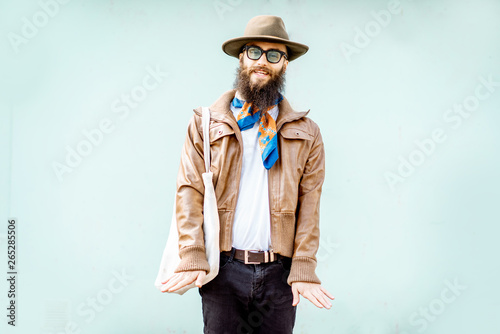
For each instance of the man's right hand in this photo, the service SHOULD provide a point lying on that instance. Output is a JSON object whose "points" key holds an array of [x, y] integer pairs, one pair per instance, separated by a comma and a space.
{"points": [[180, 280]]}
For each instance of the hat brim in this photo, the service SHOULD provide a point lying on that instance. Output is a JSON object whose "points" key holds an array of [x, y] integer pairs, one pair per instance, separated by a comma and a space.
{"points": [[233, 46]]}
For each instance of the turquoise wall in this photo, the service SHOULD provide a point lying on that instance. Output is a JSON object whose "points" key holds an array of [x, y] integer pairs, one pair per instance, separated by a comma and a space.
{"points": [[407, 95]]}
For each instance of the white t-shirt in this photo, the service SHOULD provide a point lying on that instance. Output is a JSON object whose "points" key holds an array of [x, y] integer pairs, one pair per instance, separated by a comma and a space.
{"points": [[252, 221]]}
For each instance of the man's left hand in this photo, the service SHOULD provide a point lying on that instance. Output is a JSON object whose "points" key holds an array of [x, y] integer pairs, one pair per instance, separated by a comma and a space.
{"points": [[312, 291]]}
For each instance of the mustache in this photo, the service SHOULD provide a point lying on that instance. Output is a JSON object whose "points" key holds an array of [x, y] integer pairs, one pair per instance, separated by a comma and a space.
{"points": [[258, 68], [262, 95]]}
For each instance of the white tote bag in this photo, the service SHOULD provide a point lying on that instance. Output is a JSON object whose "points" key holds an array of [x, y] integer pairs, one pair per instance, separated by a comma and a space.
{"points": [[170, 259]]}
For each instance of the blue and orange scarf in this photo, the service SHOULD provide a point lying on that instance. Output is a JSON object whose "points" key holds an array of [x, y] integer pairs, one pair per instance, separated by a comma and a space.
{"points": [[268, 141]]}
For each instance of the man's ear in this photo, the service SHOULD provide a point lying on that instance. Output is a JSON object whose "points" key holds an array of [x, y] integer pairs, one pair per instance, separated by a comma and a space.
{"points": [[240, 55], [285, 64]]}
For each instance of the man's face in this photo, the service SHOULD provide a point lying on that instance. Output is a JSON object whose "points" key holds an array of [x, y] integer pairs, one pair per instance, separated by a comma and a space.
{"points": [[259, 81], [261, 70]]}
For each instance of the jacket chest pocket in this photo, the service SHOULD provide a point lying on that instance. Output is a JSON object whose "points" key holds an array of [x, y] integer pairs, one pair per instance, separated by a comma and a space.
{"points": [[219, 131], [221, 136], [295, 145], [293, 133]]}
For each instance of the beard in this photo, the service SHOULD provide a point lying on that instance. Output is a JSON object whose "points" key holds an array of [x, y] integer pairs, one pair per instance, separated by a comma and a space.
{"points": [[261, 94]]}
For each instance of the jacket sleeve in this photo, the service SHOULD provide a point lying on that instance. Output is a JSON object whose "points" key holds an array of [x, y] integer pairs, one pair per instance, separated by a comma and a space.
{"points": [[189, 201], [306, 241]]}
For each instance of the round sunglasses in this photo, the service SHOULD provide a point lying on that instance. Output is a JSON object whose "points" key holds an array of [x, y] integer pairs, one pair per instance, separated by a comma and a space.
{"points": [[273, 56]]}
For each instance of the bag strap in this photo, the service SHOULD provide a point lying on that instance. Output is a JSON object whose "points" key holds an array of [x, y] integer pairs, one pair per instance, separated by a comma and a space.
{"points": [[206, 136]]}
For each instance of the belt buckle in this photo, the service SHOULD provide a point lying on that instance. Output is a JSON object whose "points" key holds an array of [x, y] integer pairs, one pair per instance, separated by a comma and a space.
{"points": [[268, 257], [246, 258]]}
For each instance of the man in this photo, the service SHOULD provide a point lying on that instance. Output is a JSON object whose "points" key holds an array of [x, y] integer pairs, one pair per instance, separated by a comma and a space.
{"points": [[268, 165]]}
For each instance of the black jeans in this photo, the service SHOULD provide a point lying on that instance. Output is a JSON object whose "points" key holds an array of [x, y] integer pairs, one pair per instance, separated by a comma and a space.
{"points": [[248, 298]]}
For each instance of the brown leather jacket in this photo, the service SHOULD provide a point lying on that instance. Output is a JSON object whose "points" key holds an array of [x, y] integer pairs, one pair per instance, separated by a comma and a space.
{"points": [[295, 183]]}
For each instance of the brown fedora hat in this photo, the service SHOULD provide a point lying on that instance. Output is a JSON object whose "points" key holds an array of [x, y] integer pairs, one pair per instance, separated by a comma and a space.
{"points": [[265, 28]]}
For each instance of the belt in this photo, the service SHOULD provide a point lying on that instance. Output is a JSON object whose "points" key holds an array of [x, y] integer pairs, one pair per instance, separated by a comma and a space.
{"points": [[253, 257]]}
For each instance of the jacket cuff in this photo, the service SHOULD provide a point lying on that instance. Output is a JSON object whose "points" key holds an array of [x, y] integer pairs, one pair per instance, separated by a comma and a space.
{"points": [[193, 258], [302, 270]]}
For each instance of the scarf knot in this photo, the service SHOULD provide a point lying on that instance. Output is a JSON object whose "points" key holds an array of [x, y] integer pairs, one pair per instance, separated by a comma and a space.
{"points": [[268, 141]]}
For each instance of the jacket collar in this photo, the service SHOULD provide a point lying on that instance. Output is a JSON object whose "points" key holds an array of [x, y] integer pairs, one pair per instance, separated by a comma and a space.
{"points": [[221, 111]]}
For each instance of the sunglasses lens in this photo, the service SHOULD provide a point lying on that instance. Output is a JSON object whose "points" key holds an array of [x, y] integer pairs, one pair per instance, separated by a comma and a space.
{"points": [[273, 56], [254, 53]]}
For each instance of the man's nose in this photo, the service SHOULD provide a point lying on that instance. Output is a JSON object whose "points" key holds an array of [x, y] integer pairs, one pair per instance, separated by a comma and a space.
{"points": [[262, 61]]}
